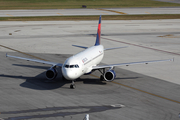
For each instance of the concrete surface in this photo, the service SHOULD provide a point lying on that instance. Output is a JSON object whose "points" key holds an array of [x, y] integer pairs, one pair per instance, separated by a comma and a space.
{"points": [[74, 12], [171, 1], [139, 92]]}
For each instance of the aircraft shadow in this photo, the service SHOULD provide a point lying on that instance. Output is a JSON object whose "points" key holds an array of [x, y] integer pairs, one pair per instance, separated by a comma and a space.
{"points": [[57, 112], [123, 78], [40, 82]]}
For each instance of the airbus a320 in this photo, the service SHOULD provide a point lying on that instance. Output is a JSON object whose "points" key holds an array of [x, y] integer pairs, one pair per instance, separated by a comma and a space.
{"points": [[85, 62]]}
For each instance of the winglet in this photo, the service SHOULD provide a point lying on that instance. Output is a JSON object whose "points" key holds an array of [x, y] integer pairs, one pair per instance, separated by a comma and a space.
{"points": [[171, 59], [98, 32], [6, 54]]}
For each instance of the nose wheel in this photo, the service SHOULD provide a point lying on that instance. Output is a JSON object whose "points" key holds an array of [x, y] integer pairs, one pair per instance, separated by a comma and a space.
{"points": [[72, 86]]}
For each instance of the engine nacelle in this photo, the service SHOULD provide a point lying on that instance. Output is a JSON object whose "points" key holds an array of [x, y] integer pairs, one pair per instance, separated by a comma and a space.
{"points": [[110, 75], [51, 74]]}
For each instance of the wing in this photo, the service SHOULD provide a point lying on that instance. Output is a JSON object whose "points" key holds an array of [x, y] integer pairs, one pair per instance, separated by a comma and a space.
{"points": [[35, 60], [115, 48], [131, 63], [104, 49], [80, 46]]}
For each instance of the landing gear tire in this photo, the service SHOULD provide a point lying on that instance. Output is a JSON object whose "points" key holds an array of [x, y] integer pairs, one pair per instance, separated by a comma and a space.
{"points": [[72, 86], [101, 78]]}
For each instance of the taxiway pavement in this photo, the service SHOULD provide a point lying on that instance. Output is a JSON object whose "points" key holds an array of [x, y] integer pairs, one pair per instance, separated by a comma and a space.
{"points": [[139, 92], [84, 12]]}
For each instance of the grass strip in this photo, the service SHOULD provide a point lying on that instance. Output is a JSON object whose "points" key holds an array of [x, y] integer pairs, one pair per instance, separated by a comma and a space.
{"points": [[69, 4], [94, 17]]}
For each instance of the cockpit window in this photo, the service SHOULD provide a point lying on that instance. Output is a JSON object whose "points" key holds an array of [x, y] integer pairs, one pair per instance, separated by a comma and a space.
{"points": [[66, 66], [76, 66], [71, 66]]}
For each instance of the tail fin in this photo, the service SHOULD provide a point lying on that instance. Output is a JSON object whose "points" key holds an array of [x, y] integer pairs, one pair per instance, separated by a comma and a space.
{"points": [[98, 32]]}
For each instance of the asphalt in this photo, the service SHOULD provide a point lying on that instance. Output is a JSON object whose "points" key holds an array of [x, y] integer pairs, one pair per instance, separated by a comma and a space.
{"points": [[85, 12], [139, 92]]}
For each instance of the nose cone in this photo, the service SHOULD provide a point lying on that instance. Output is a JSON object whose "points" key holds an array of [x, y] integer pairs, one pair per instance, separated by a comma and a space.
{"points": [[68, 74]]}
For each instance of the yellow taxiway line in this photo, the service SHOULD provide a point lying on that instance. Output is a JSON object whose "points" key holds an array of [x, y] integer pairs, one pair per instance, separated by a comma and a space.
{"points": [[104, 13], [22, 52], [141, 90], [147, 12], [122, 13], [59, 13], [9, 15]]}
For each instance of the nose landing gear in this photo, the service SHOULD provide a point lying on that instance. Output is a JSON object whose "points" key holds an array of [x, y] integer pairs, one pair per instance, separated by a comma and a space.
{"points": [[72, 86]]}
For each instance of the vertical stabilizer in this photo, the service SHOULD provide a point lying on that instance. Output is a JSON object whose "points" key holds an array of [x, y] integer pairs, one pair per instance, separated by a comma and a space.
{"points": [[98, 32]]}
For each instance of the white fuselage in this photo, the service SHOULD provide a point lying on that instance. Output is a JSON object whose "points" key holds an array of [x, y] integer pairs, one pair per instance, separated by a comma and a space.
{"points": [[82, 63]]}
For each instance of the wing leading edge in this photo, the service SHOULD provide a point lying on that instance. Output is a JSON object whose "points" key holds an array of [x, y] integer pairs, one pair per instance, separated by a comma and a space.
{"points": [[80, 46], [131, 63], [115, 48], [104, 49], [35, 60]]}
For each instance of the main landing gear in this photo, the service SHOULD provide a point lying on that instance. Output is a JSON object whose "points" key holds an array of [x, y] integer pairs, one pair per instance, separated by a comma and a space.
{"points": [[102, 76], [72, 86]]}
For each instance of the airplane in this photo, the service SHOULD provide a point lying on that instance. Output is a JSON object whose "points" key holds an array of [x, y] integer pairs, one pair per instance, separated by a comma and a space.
{"points": [[85, 63]]}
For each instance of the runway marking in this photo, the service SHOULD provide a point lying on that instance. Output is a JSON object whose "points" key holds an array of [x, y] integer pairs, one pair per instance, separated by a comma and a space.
{"points": [[142, 46], [9, 15], [118, 105], [141, 90], [22, 52], [59, 13], [122, 13]]}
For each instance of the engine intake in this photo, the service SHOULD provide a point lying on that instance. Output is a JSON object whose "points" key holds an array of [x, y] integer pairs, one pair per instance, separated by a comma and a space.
{"points": [[51, 74], [110, 75]]}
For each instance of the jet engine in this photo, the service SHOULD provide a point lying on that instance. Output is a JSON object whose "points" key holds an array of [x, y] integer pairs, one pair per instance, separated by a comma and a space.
{"points": [[110, 75], [51, 73]]}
